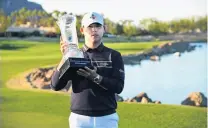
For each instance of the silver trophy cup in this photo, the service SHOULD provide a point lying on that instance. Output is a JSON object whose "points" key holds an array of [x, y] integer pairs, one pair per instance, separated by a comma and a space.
{"points": [[67, 25], [73, 56]]}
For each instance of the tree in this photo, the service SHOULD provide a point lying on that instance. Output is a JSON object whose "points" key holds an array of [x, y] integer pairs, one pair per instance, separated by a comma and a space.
{"points": [[111, 26], [201, 23], [55, 13], [158, 28], [145, 23], [5, 21], [22, 11], [175, 26], [129, 29], [123, 27], [184, 25], [78, 25], [119, 29]]}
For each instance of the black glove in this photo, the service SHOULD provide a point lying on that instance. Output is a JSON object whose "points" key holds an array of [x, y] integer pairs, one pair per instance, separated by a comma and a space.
{"points": [[90, 74]]}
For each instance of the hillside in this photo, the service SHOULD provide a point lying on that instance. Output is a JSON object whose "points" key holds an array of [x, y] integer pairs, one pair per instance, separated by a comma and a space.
{"points": [[9, 6]]}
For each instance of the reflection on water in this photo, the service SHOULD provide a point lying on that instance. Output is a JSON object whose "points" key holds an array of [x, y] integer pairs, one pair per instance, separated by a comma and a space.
{"points": [[171, 79]]}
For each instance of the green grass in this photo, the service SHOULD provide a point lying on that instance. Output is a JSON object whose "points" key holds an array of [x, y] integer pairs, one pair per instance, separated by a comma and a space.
{"points": [[27, 109], [32, 109], [161, 116], [49, 110]]}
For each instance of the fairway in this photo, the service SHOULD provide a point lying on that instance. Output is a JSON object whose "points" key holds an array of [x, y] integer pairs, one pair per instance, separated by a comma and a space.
{"points": [[46, 109]]}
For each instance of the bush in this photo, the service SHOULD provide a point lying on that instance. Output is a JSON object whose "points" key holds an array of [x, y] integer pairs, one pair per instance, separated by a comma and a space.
{"points": [[50, 34], [2, 34], [22, 34], [35, 33]]}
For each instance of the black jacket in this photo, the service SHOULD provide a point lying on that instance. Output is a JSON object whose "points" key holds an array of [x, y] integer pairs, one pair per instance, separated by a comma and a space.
{"points": [[87, 97]]}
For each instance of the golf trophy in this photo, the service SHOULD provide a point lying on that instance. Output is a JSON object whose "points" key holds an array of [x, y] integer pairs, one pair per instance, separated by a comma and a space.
{"points": [[73, 56]]}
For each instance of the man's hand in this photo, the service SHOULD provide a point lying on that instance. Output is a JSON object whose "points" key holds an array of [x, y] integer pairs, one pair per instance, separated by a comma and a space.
{"points": [[90, 74]]}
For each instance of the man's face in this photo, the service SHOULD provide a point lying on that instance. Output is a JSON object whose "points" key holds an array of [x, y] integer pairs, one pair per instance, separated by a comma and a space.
{"points": [[93, 33]]}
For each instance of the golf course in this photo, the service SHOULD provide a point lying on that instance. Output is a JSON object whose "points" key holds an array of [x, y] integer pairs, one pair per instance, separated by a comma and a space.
{"points": [[34, 108]]}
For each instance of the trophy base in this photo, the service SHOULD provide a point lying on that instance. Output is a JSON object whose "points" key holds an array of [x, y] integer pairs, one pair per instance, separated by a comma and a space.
{"points": [[71, 65]]}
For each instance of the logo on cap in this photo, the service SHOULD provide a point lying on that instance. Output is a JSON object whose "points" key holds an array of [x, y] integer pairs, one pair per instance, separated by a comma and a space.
{"points": [[93, 16]]}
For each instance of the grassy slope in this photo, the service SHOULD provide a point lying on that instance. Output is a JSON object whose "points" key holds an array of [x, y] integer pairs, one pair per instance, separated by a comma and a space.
{"points": [[50, 110]]}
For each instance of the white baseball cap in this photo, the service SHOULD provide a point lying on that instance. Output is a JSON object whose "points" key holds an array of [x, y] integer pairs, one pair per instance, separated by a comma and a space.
{"points": [[92, 17]]}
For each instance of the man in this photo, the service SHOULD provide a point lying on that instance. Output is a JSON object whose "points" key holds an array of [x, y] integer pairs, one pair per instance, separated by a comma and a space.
{"points": [[93, 103]]}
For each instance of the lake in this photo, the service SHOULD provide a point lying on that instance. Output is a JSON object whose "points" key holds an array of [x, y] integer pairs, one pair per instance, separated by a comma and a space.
{"points": [[171, 79]]}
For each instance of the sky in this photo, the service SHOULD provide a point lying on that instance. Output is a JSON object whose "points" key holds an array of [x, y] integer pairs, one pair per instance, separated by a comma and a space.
{"points": [[136, 10]]}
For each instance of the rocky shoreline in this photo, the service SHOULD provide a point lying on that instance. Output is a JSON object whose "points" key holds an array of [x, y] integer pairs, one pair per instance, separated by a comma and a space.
{"points": [[157, 52], [41, 77]]}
